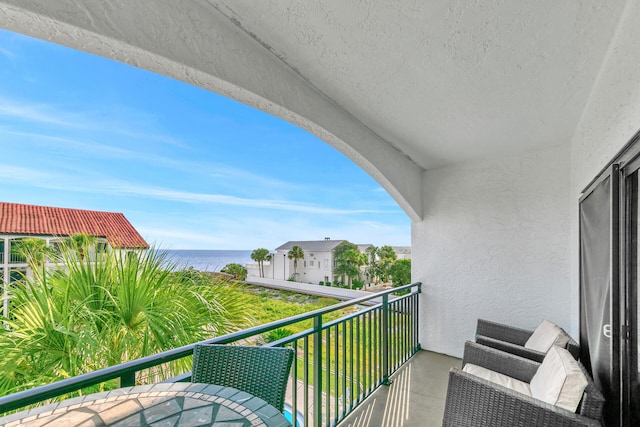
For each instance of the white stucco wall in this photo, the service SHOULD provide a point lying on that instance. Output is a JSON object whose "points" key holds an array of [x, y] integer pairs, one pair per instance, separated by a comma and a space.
{"points": [[493, 244], [500, 239], [321, 270]]}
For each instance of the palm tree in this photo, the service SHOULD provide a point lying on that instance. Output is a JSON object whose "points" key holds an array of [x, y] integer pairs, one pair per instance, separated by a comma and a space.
{"points": [[83, 316], [347, 260], [35, 251], [372, 263], [349, 264], [260, 255], [80, 242], [295, 254], [387, 257]]}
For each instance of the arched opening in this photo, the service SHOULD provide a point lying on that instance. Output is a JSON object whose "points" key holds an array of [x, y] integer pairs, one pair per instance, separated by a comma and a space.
{"points": [[235, 65], [192, 169]]}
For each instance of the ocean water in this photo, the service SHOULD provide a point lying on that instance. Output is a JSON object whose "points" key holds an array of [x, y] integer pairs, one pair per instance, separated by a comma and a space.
{"points": [[207, 260]]}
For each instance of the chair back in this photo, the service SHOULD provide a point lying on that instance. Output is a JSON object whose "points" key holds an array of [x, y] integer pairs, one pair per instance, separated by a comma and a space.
{"points": [[260, 371], [592, 403]]}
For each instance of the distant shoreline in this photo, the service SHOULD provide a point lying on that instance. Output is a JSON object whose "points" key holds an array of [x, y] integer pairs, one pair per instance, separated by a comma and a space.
{"points": [[212, 260]]}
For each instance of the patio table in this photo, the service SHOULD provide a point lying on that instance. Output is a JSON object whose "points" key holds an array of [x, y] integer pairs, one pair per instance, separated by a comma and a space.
{"points": [[166, 404]]}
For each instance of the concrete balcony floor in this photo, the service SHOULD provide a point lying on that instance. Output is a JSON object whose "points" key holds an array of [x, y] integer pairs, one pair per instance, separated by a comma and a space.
{"points": [[415, 398]]}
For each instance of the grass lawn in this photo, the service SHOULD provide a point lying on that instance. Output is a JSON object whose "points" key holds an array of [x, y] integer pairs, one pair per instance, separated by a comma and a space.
{"points": [[268, 305]]}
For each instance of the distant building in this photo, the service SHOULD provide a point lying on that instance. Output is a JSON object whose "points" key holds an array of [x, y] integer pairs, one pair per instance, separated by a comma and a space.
{"points": [[402, 252], [18, 221], [316, 266]]}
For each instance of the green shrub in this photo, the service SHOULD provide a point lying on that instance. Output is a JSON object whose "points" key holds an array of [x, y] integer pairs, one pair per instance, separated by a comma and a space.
{"points": [[321, 283], [103, 309], [276, 334], [238, 271]]}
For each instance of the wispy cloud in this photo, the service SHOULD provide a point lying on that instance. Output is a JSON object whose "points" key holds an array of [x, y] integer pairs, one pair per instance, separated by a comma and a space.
{"points": [[92, 148], [103, 151], [104, 120], [7, 53], [63, 182], [34, 112], [175, 234], [228, 200], [268, 232]]}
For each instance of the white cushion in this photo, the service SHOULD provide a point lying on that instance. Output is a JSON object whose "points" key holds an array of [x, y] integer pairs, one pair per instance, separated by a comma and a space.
{"points": [[546, 335], [498, 378], [562, 339], [559, 380]]}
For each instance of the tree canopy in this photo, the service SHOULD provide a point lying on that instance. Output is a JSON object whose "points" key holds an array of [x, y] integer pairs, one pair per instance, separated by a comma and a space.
{"points": [[342, 248], [348, 260], [400, 272], [104, 309], [238, 271], [34, 250]]}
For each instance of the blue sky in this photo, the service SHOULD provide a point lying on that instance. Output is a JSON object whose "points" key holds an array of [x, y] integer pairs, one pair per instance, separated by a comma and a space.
{"points": [[190, 169]]}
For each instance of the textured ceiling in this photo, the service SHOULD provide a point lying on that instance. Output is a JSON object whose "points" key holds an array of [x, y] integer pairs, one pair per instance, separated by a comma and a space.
{"points": [[399, 87], [444, 81]]}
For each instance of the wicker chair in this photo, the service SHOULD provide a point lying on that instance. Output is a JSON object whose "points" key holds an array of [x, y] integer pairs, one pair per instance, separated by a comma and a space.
{"points": [[260, 371], [512, 340], [473, 401]]}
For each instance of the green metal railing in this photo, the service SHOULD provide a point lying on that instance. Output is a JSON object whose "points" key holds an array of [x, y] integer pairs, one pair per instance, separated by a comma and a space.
{"points": [[339, 363]]}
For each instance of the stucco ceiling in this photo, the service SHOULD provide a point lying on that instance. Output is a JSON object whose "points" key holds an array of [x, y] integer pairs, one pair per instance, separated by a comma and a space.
{"points": [[399, 87], [444, 81]]}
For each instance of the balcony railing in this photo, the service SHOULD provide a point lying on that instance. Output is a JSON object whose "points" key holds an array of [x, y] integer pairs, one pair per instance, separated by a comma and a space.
{"points": [[339, 363], [17, 259]]}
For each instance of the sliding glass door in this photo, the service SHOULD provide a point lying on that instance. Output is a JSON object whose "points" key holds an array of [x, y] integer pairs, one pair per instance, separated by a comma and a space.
{"points": [[599, 288], [609, 272]]}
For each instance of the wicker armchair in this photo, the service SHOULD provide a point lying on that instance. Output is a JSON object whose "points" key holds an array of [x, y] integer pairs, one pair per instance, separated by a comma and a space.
{"points": [[260, 371], [473, 401], [512, 340]]}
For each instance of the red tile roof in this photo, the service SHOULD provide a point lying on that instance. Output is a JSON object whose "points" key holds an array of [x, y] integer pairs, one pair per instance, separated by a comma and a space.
{"points": [[44, 220]]}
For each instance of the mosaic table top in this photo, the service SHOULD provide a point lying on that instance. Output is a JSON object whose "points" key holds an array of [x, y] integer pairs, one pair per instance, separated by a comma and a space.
{"points": [[163, 404]]}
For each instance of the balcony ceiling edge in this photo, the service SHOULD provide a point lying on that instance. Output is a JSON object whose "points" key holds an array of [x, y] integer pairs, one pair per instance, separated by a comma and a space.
{"points": [[216, 54]]}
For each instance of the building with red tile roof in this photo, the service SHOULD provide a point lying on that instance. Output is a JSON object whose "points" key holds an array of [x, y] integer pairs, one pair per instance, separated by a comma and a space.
{"points": [[19, 221], [33, 221]]}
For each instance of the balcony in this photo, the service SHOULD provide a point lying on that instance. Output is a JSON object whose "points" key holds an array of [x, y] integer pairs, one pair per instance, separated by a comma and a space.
{"points": [[369, 346], [416, 396]]}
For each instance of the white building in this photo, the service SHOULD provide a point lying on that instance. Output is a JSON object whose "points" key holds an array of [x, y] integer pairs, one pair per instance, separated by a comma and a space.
{"points": [[402, 252], [316, 266], [53, 224]]}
